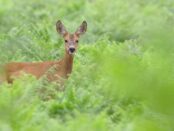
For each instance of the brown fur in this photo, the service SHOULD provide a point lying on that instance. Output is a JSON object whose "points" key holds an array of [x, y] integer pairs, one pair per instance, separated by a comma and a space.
{"points": [[61, 69]]}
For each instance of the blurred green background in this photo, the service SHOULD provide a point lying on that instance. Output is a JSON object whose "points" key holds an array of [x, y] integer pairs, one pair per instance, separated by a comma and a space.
{"points": [[123, 75]]}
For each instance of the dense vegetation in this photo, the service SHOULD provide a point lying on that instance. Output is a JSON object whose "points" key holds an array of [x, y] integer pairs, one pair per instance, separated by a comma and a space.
{"points": [[123, 76]]}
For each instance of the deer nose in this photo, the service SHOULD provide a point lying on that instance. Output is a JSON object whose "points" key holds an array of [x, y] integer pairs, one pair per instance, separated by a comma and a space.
{"points": [[72, 49]]}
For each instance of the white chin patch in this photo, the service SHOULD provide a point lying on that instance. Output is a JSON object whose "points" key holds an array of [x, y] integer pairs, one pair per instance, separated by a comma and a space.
{"points": [[71, 53]]}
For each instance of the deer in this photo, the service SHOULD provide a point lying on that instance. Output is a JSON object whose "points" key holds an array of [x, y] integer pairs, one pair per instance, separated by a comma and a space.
{"points": [[61, 68]]}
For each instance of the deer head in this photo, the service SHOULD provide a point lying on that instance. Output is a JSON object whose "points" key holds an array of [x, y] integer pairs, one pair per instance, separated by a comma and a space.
{"points": [[71, 40]]}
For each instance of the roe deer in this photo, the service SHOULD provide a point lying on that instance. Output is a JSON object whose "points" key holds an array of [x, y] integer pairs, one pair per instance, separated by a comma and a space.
{"points": [[61, 68]]}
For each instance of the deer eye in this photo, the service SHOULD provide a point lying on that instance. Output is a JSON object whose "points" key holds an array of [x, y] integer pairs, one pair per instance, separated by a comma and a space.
{"points": [[77, 41], [66, 41]]}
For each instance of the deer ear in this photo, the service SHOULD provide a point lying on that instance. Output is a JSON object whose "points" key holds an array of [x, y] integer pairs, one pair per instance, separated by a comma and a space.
{"points": [[82, 29], [61, 28]]}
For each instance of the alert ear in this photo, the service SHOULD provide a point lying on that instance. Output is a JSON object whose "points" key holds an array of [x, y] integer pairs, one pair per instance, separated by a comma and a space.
{"points": [[61, 28], [82, 29]]}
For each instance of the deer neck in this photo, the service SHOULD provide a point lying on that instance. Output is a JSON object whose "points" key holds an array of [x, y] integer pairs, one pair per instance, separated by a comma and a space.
{"points": [[68, 63]]}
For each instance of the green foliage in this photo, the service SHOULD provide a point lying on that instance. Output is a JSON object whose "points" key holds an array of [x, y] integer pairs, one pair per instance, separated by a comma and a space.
{"points": [[123, 70]]}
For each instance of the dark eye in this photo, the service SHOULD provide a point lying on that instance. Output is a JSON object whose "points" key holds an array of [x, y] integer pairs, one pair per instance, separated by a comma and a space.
{"points": [[77, 41], [66, 41]]}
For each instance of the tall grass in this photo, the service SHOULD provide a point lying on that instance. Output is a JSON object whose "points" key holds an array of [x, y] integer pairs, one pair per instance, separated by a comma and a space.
{"points": [[123, 70]]}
